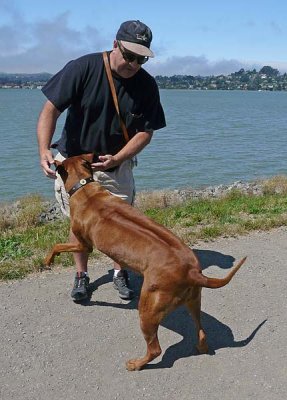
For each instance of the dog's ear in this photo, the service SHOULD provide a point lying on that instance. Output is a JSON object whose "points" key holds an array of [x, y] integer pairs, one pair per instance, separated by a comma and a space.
{"points": [[88, 157], [60, 168]]}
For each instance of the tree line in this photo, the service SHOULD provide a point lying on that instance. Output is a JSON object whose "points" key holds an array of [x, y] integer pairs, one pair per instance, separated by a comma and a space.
{"points": [[267, 78]]}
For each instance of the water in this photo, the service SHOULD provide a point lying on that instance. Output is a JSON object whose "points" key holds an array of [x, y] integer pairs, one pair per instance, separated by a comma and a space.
{"points": [[212, 137]]}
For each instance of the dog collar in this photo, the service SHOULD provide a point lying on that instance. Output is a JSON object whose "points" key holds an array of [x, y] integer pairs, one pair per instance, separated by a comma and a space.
{"points": [[80, 184]]}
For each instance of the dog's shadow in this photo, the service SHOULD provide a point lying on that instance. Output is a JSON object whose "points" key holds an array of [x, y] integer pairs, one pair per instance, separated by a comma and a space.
{"points": [[208, 258], [219, 335]]}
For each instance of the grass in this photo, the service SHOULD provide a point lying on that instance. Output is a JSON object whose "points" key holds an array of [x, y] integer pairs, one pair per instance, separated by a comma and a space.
{"points": [[24, 240], [231, 215]]}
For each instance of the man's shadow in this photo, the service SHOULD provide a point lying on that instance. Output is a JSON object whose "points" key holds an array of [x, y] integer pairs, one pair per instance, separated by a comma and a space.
{"points": [[219, 335]]}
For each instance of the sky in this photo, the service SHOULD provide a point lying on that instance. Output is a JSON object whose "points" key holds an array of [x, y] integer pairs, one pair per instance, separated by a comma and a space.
{"points": [[207, 37]]}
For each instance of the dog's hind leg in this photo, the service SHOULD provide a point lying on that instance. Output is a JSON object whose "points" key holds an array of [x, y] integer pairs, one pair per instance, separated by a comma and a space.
{"points": [[153, 306], [194, 307]]}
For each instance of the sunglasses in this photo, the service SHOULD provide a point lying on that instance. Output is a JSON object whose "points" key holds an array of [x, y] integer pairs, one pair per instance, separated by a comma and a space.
{"points": [[131, 57]]}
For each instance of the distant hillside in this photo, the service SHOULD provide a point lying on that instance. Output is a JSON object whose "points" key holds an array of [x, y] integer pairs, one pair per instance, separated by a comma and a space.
{"points": [[267, 78], [19, 79]]}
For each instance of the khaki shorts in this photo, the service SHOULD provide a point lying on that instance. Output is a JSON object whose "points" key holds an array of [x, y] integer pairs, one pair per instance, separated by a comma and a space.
{"points": [[120, 183]]}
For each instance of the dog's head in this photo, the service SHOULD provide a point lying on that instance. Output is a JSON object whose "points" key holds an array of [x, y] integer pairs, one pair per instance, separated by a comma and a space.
{"points": [[74, 169]]}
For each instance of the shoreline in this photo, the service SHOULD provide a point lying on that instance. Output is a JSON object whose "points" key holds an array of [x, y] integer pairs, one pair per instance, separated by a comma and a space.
{"points": [[30, 225], [162, 198], [168, 197]]}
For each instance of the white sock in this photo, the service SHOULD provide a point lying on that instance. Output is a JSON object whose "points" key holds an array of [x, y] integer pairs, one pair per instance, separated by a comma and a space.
{"points": [[116, 271]]}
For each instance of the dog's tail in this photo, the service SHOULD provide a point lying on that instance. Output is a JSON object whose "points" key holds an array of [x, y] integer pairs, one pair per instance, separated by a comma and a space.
{"points": [[214, 283]]}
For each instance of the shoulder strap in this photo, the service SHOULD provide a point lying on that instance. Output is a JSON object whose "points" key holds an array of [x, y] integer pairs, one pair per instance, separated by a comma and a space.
{"points": [[114, 94]]}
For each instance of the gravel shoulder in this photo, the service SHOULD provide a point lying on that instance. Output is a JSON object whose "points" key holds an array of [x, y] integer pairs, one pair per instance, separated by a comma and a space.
{"points": [[55, 349]]}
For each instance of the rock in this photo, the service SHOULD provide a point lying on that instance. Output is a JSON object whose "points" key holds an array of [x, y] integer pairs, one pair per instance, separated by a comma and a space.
{"points": [[52, 210], [178, 196], [52, 213]]}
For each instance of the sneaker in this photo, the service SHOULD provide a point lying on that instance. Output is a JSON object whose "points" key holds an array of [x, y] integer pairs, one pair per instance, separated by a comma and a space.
{"points": [[121, 283], [80, 289]]}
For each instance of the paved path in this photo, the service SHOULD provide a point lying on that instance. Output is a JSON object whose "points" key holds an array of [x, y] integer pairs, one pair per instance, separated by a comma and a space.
{"points": [[53, 349]]}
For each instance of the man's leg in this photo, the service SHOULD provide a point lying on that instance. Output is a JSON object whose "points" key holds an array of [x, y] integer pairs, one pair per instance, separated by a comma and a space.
{"points": [[80, 290], [81, 259], [121, 283], [120, 183]]}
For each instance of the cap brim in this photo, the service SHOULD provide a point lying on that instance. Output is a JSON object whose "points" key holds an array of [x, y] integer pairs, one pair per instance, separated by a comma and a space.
{"points": [[137, 49]]}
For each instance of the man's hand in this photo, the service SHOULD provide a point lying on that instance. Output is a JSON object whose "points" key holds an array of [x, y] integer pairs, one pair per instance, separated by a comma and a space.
{"points": [[105, 162], [46, 160]]}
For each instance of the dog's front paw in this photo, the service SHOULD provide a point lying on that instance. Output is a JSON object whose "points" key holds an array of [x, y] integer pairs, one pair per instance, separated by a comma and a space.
{"points": [[202, 348], [133, 365], [44, 267]]}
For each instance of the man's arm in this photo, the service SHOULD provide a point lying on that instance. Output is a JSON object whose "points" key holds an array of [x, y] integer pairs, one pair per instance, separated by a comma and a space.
{"points": [[45, 131], [133, 147]]}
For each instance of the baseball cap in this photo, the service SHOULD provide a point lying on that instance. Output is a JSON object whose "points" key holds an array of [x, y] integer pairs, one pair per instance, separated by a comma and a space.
{"points": [[136, 37]]}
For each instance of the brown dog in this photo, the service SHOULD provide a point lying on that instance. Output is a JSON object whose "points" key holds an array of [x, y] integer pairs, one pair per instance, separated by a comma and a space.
{"points": [[171, 271]]}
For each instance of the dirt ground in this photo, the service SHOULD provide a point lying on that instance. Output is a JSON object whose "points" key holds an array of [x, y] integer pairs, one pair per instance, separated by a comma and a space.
{"points": [[54, 349]]}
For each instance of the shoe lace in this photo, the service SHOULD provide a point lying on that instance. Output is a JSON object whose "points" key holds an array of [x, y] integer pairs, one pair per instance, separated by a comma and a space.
{"points": [[80, 282], [122, 281]]}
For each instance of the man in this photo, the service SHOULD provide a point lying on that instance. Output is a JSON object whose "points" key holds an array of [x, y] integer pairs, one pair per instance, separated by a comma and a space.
{"points": [[92, 125]]}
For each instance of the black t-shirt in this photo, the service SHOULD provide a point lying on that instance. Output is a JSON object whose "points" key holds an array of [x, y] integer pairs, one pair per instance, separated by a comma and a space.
{"points": [[92, 123]]}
